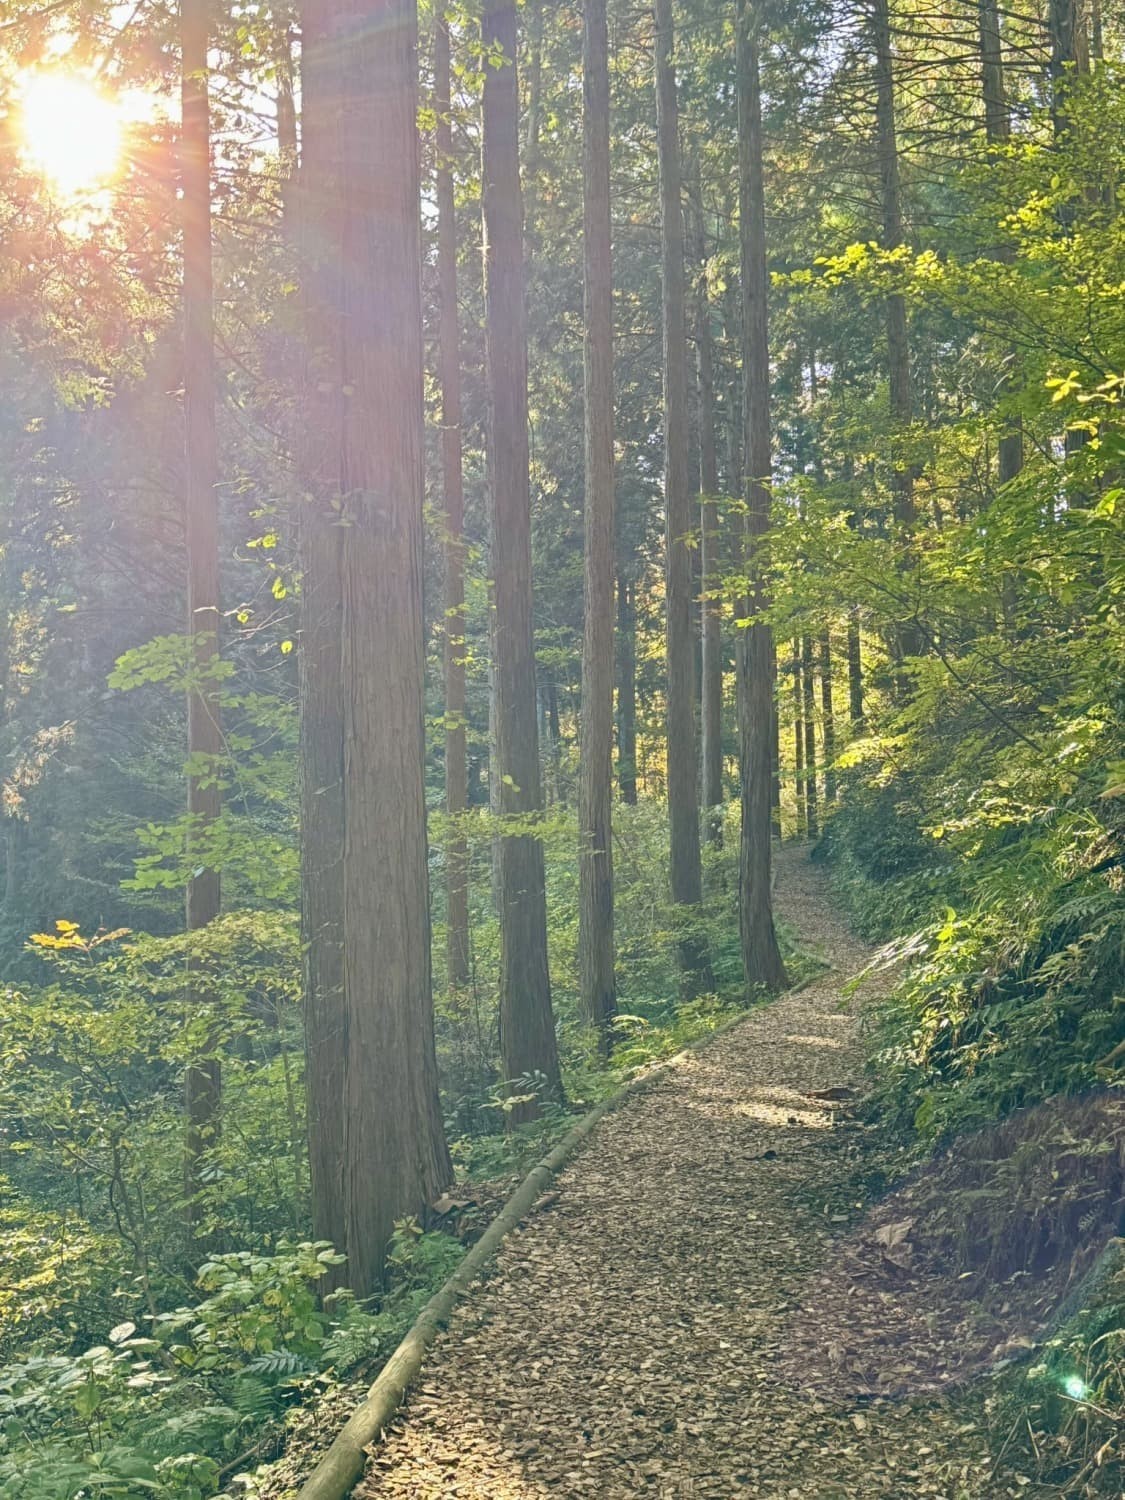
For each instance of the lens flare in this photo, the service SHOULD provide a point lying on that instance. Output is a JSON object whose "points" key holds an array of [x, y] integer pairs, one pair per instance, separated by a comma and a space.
{"points": [[69, 131], [1076, 1388]]}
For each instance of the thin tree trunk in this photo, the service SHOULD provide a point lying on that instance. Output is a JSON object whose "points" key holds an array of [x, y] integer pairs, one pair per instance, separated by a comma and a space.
{"points": [[1070, 54], [997, 127], [527, 1028], [595, 787], [286, 102], [683, 796], [733, 395], [377, 1145], [808, 688], [554, 740], [202, 1083], [711, 674], [827, 715], [799, 746], [855, 674], [898, 340], [626, 691], [534, 32], [775, 746], [761, 955], [457, 954]]}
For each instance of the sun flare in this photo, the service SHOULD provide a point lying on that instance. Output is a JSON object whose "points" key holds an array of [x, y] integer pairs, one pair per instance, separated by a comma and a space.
{"points": [[70, 132]]}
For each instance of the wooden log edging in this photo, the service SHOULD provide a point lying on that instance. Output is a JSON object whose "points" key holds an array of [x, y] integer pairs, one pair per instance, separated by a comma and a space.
{"points": [[343, 1465]]}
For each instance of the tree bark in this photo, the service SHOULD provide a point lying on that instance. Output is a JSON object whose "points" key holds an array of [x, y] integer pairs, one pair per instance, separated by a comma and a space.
{"points": [[626, 691], [761, 955], [900, 379], [683, 796], [534, 33], [457, 953], [595, 788], [286, 101], [1070, 53], [202, 1083], [377, 1146], [827, 715], [997, 129], [527, 1028], [808, 687], [855, 675], [710, 608], [799, 746]]}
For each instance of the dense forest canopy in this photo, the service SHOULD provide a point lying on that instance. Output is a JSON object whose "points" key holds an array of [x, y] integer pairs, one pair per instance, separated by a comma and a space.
{"points": [[475, 481]]}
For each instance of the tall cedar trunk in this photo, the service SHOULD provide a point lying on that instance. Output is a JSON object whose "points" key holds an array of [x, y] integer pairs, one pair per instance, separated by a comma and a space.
{"points": [[626, 691], [799, 746], [457, 956], [733, 393], [711, 674], [534, 32], [808, 689], [827, 715], [997, 127], [202, 1084], [855, 674], [1070, 56], [527, 1028], [683, 796], [376, 1142], [556, 790], [761, 956], [898, 341], [1069, 52], [775, 746], [595, 788], [286, 101]]}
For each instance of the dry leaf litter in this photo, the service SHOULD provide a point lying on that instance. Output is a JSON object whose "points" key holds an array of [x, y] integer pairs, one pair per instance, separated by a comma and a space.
{"points": [[635, 1337]]}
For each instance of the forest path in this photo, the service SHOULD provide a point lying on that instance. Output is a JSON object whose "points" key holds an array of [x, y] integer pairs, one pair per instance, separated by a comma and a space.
{"points": [[626, 1342]]}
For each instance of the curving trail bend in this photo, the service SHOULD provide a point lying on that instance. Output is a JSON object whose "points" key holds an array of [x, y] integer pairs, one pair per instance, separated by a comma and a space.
{"points": [[627, 1341]]}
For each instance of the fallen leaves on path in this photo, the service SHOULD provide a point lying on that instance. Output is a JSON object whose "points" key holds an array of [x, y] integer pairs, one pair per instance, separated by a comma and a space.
{"points": [[631, 1338]]}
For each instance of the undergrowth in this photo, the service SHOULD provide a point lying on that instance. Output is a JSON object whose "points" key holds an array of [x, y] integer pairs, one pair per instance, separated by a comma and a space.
{"points": [[996, 881], [166, 1410]]}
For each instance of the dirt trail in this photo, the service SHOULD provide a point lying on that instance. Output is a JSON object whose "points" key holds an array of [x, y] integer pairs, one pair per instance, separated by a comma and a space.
{"points": [[627, 1341]]}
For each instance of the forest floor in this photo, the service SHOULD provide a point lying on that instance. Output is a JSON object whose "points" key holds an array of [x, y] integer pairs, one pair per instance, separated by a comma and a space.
{"points": [[637, 1335]]}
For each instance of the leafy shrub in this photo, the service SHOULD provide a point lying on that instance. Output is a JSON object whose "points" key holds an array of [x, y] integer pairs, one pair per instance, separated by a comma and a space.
{"points": [[162, 1414]]}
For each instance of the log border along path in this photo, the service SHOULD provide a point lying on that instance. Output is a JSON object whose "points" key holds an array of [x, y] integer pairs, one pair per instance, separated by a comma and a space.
{"points": [[626, 1340]]}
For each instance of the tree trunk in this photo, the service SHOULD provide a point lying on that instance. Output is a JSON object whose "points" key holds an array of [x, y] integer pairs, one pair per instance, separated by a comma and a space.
{"points": [[855, 675], [732, 338], [775, 747], [286, 102], [457, 955], [683, 797], [827, 715], [711, 674], [799, 746], [1070, 53], [202, 1083], [898, 340], [808, 688], [626, 691], [761, 955], [595, 787], [997, 128], [534, 33], [377, 1147], [527, 1028]]}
